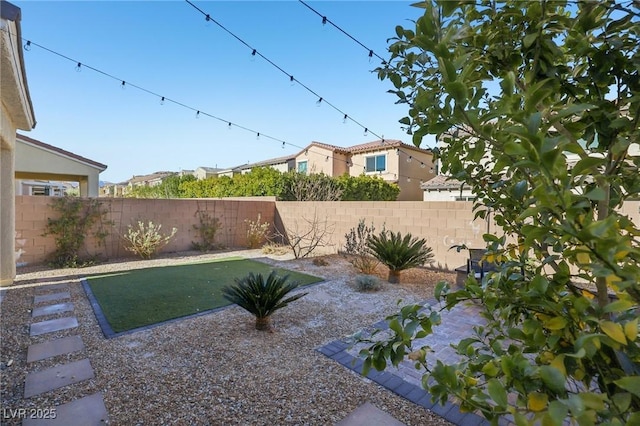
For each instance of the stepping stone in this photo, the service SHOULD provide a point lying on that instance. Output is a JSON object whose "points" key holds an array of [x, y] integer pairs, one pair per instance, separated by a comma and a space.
{"points": [[55, 287], [368, 414], [55, 347], [51, 297], [52, 309], [50, 326], [57, 377], [87, 411]]}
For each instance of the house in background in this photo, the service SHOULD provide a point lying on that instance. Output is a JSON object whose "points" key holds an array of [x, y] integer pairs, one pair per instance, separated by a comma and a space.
{"points": [[445, 188], [391, 160], [36, 160]]}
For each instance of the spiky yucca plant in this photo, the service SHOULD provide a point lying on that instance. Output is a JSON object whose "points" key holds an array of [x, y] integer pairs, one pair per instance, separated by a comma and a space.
{"points": [[260, 296], [399, 253]]}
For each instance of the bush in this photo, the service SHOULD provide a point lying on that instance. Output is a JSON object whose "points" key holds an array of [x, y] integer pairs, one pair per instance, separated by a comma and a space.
{"points": [[146, 240], [209, 226], [368, 283], [78, 218], [257, 232], [399, 253], [262, 297], [358, 251]]}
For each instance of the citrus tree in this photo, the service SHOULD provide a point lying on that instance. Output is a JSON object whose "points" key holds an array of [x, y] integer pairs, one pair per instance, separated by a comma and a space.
{"points": [[537, 107]]}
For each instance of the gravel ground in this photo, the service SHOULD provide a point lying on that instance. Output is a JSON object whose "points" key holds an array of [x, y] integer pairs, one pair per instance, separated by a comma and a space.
{"points": [[217, 369]]}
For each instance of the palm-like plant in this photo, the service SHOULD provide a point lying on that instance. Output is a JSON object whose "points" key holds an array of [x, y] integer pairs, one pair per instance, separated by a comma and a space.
{"points": [[399, 253], [260, 296]]}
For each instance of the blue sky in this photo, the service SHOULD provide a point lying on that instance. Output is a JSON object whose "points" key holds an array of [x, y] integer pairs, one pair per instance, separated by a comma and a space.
{"points": [[168, 48]]}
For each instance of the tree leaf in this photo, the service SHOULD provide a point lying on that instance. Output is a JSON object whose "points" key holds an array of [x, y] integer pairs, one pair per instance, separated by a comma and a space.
{"points": [[553, 378], [497, 392], [537, 401], [613, 330], [630, 383]]}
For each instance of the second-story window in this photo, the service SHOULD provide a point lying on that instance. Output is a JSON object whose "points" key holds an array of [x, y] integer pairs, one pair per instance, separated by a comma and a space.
{"points": [[376, 163], [302, 167]]}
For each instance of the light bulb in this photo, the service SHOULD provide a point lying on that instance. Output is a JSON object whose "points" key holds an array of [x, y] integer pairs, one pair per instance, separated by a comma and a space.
{"points": [[344, 120], [422, 165], [283, 144], [409, 158], [292, 81], [122, 86], [79, 67], [27, 46], [229, 126], [253, 55], [408, 179], [162, 101], [198, 114], [366, 131], [258, 135], [370, 55], [319, 102]]}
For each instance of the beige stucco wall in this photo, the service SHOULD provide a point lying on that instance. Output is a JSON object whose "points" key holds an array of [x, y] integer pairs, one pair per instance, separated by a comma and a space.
{"points": [[319, 160], [16, 112]]}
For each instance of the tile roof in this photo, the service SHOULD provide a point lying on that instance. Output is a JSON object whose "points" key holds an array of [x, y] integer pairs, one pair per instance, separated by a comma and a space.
{"points": [[443, 182], [57, 150], [269, 162]]}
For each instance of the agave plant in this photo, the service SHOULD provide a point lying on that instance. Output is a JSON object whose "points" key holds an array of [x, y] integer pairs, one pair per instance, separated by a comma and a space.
{"points": [[399, 253], [262, 297]]}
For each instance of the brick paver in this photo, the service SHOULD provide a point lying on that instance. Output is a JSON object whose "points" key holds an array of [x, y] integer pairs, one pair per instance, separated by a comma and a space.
{"points": [[405, 380]]}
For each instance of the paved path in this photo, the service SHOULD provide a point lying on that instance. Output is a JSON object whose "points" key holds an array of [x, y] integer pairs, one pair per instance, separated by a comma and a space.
{"points": [[405, 380], [86, 411]]}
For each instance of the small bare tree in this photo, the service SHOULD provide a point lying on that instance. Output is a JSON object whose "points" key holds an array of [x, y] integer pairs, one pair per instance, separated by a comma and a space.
{"points": [[303, 240]]}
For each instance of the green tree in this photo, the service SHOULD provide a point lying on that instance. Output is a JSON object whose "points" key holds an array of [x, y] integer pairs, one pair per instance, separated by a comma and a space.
{"points": [[537, 104], [367, 188]]}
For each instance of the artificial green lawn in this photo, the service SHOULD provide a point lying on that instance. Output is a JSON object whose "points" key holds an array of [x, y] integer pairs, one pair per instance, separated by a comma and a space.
{"points": [[147, 296]]}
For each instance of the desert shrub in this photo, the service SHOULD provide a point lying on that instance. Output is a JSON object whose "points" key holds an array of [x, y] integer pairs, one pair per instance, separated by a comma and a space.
{"points": [[368, 283], [207, 228], [262, 297], [77, 218], [320, 261], [257, 232], [275, 248], [399, 253], [146, 239], [358, 251]]}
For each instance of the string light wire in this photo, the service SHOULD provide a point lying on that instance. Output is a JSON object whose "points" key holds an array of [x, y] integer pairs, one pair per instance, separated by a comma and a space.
{"points": [[255, 52], [200, 113]]}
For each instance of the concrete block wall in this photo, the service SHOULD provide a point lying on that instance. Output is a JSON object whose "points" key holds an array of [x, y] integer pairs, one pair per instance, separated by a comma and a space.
{"points": [[32, 214], [441, 223]]}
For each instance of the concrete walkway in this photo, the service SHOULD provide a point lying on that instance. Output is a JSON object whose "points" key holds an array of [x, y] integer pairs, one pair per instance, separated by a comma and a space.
{"points": [[405, 380], [86, 411]]}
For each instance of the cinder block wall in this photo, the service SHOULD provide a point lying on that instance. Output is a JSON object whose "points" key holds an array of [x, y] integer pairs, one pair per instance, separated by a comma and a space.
{"points": [[441, 223], [32, 214]]}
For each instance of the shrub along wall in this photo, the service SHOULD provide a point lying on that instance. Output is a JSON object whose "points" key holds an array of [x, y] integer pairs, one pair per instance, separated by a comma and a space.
{"points": [[32, 213], [441, 223]]}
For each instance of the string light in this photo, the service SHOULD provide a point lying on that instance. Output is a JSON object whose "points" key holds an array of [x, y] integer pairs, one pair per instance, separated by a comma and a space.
{"points": [[162, 101], [27, 45], [344, 120], [198, 112], [324, 22], [319, 102], [422, 165], [366, 132], [254, 53], [292, 80], [409, 158], [79, 67], [122, 86], [258, 135]]}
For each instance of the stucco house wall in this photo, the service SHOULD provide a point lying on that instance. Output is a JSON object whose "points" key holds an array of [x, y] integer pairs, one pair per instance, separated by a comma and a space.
{"points": [[16, 112]]}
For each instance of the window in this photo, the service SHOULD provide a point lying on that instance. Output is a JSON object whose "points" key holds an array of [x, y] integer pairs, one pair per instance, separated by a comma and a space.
{"points": [[376, 163], [463, 198], [302, 167]]}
